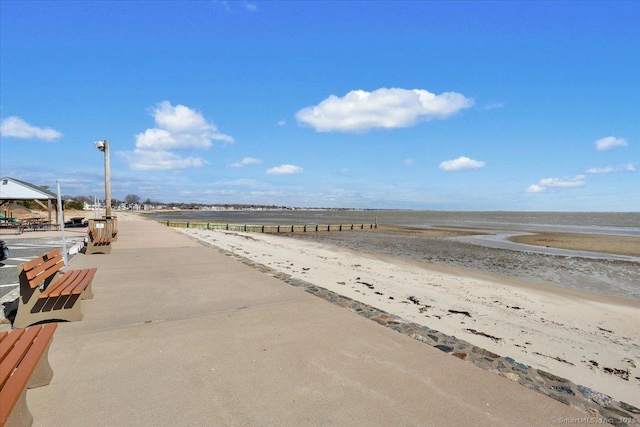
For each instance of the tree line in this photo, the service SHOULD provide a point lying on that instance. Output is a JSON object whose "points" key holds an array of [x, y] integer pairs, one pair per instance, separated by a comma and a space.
{"points": [[77, 202]]}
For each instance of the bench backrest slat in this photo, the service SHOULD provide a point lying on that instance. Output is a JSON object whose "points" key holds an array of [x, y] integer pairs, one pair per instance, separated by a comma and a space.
{"points": [[46, 269], [40, 268], [38, 260], [52, 253]]}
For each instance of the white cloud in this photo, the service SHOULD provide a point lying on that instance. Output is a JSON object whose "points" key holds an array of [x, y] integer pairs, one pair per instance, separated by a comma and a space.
{"points": [[248, 6], [282, 122], [461, 163], [608, 169], [15, 127], [224, 4], [144, 160], [408, 162], [251, 7], [177, 128], [610, 142], [284, 170], [246, 161], [570, 182], [360, 111], [535, 188], [629, 167], [494, 106]]}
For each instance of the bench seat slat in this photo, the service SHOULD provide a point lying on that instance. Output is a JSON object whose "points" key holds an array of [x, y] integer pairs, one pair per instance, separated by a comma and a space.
{"points": [[56, 288], [71, 283], [83, 281], [79, 281], [8, 341], [16, 353], [26, 353]]}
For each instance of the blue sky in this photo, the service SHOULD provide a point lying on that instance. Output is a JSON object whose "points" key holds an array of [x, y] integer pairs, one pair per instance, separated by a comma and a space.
{"points": [[419, 105]]}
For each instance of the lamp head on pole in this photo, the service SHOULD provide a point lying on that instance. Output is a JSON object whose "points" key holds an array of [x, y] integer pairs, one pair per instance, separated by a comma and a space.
{"points": [[100, 145]]}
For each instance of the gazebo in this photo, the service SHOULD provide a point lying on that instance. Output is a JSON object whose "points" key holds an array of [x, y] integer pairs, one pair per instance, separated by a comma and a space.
{"points": [[12, 190]]}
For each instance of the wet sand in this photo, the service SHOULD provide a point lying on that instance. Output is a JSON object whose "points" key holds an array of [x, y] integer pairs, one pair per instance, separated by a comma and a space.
{"points": [[620, 279], [619, 245], [602, 243]]}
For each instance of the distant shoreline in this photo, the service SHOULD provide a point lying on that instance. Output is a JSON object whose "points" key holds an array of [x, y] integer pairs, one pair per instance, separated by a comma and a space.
{"points": [[601, 243]]}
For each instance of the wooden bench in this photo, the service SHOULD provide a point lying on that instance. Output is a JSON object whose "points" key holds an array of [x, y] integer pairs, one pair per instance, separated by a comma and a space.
{"points": [[97, 244], [24, 363], [49, 294]]}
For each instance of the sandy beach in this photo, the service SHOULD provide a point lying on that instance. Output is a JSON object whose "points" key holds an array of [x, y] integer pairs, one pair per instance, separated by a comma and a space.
{"points": [[620, 245], [605, 243], [589, 339]]}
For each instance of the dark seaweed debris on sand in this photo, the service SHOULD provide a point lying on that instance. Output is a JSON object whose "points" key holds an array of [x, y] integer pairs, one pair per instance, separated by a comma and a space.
{"points": [[614, 278]]}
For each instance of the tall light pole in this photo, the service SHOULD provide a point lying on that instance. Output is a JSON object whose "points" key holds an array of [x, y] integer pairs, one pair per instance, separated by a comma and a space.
{"points": [[104, 147]]}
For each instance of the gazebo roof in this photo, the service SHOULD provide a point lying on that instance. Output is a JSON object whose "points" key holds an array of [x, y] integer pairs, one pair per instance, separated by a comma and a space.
{"points": [[14, 189]]}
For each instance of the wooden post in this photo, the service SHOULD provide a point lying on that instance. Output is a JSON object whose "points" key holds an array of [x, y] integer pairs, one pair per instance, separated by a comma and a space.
{"points": [[49, 209]]}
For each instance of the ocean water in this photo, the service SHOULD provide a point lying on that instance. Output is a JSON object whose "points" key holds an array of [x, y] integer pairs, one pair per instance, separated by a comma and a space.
{"points": [[623, 223]]}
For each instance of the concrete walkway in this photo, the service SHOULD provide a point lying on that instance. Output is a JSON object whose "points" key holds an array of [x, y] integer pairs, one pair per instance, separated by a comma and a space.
{"points": [[181, 335]]}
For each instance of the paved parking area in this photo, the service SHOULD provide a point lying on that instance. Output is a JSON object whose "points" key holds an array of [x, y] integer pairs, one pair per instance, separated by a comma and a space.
{"points": [[24, 248]]}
